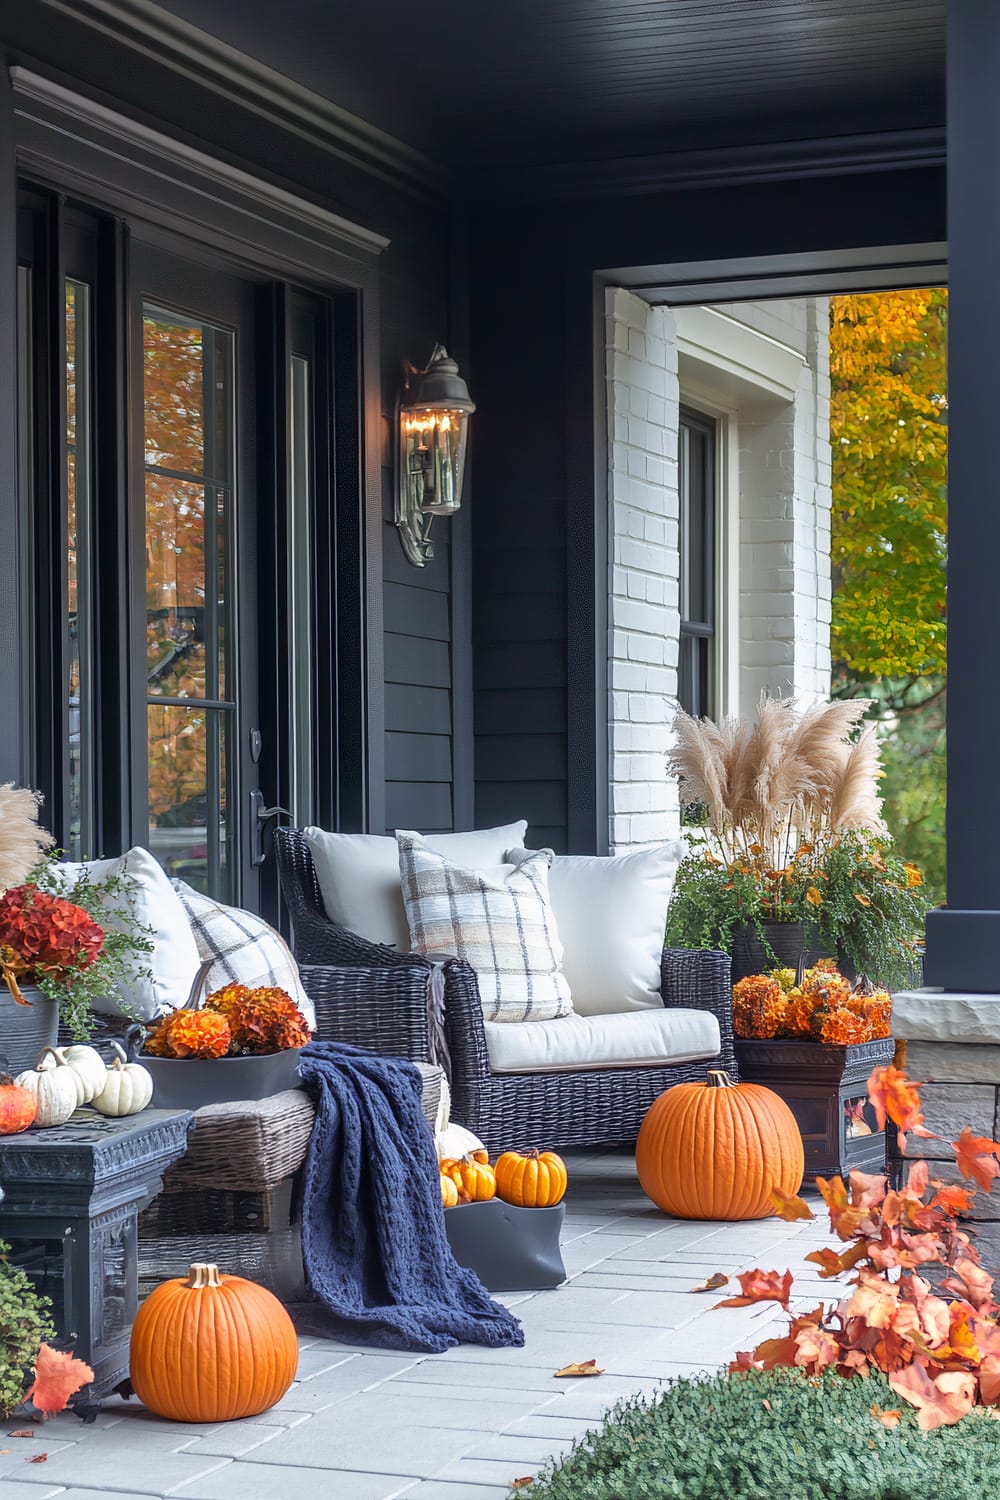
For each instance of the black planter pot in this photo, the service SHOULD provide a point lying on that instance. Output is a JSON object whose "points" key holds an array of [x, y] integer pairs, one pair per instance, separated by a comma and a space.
{"points": [[825, 1087], [787, 942]]}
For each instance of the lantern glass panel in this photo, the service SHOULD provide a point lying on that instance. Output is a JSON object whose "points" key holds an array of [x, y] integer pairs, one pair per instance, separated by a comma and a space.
{"points": [[434, 448]]}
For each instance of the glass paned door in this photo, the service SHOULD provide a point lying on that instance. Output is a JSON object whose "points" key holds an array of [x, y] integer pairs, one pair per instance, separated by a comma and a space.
{"points": [[197, 532]]}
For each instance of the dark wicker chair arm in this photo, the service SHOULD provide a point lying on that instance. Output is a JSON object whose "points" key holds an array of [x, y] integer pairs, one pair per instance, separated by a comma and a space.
{"points": [[383, 1010], [700, 979], [317, 939]]}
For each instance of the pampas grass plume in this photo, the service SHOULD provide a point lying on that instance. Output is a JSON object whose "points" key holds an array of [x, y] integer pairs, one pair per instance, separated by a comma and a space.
{"points": [[22, 842]]}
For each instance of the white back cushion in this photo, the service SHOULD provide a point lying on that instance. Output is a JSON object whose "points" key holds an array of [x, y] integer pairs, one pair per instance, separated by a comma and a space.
{"points": [[358, 874], [174, 960], [611, 914]]}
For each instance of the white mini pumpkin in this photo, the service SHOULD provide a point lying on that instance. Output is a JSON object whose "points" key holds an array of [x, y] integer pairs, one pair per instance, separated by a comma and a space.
{"points": [[128, 1087], [54, 1085], [88, 1067], [455, 1141]]}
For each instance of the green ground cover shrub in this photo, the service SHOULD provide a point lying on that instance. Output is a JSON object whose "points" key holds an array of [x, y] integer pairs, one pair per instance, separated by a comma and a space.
{"points": [[774, 1435], [24, 1323]]}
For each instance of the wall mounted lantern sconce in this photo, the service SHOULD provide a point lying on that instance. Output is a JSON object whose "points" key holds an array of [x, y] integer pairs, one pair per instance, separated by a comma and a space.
{"points": [[433, 430]]}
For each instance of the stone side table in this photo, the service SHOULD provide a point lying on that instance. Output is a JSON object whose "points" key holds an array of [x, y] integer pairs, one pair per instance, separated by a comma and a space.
{"points": [[73, 1196]]}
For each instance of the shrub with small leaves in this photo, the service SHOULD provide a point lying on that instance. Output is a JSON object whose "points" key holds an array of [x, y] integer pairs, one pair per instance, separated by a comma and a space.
{"points": [[24, 1324], [774, 1435]]}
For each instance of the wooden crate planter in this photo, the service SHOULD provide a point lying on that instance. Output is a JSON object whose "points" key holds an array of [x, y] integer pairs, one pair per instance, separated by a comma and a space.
{"points": [[823, 1086]]}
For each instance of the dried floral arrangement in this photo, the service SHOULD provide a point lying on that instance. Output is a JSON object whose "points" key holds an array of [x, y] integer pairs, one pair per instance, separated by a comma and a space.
{"points": [[823, 1006], [22, 842], [233, 1022], [938, 1344], [791, 830]]}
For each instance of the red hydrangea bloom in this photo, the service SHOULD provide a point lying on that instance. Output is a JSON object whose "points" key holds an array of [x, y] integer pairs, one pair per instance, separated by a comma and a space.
{"points": [[46, 935]]}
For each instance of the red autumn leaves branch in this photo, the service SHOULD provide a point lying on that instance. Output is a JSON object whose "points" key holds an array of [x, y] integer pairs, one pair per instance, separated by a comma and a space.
{"points": [[938, 1346]]}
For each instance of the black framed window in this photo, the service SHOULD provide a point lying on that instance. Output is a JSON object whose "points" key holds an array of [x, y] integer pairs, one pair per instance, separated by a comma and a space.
{"points": [[697, 487], [178, 477]]}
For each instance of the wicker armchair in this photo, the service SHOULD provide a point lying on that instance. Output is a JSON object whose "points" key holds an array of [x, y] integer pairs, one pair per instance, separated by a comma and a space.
{"points": [[567, 1110]]}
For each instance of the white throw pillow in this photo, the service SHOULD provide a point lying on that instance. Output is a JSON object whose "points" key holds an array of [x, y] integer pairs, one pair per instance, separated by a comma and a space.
{"points": [[358, 874], [611, 914], [245, 949], [174, 960], [500, 921]]}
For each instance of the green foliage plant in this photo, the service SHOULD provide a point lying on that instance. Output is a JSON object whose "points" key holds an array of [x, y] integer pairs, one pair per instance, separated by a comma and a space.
{"points": [[774, 1435], [24, 1324]]}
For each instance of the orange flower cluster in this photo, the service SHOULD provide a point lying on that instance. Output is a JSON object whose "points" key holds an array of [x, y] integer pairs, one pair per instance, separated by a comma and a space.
{"points": [[235, 1021], [262, 1020], [824, 1007], [935, 1336], [43, 936], [190, 1033]]}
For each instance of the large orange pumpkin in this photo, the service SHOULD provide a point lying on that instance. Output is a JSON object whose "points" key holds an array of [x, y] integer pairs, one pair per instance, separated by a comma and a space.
{"points": [[210, 1348], [715, 1150], [530, 1179]]}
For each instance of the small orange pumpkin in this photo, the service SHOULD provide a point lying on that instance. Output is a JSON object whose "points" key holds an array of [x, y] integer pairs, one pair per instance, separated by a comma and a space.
{"points": [[531, 1179], [211, 1348], [470, 1176], [715, 1150], [449, 1192], [18, 1106]]}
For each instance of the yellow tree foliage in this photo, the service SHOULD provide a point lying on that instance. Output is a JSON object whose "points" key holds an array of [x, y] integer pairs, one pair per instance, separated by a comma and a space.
{"points": [[888, 423]]}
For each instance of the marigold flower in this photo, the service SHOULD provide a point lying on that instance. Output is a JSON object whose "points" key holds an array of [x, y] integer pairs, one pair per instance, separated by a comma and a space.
{"points": [[190, 1033]]}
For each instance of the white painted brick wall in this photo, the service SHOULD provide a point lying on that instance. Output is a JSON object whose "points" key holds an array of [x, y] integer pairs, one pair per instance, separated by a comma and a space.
{"points": [[784, 542], [643, 576]]}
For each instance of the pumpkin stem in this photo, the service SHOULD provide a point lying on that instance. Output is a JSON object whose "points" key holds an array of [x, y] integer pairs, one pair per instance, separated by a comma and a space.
{"points": [[718, 1078], [531, 1154], [120, 1054], [202, 1275], [50, 1052]]}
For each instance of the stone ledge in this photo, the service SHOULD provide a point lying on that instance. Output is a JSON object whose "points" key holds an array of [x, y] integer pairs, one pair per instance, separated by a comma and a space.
{"points": [[930, 1015]]}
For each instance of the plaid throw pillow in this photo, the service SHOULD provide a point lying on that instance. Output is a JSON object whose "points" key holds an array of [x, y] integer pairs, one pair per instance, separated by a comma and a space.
{"points": [[246, 949], [499, 921]]}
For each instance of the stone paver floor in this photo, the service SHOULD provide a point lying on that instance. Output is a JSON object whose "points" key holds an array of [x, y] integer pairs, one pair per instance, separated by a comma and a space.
{"points": [[373, 1425]]}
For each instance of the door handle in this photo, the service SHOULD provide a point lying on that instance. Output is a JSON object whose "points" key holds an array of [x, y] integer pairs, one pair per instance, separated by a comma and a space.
{"points": [[260, 817]]}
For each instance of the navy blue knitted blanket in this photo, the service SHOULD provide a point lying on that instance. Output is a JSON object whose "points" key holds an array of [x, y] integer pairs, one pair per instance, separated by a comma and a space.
{"points": [[377, 1259]]}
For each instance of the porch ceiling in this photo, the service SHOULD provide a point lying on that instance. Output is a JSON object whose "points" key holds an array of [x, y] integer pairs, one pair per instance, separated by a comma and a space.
{"points": [[536, 81]]}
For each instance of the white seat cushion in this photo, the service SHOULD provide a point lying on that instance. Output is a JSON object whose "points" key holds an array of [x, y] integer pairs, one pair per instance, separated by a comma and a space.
{"points": [[358, 874], [640, 1039], [611, 914]]}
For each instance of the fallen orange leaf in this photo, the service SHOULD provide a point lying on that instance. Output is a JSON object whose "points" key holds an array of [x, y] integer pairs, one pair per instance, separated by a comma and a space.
{"points": [[588, 1367], [788, 1207], [713, 1283], [22, 1432], [887, 1418], [57, 1377], [38, 1458], [522, 1483]]}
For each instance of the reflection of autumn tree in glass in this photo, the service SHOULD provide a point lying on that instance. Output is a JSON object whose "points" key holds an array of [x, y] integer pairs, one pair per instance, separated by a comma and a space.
{"points": [[180, 663]]}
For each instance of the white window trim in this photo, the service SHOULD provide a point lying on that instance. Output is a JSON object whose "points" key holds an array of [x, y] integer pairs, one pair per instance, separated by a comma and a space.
{"points": [[726, 640]]}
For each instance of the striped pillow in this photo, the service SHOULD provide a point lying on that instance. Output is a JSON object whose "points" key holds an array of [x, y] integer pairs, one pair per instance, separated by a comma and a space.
{"points": [[499, 921]]}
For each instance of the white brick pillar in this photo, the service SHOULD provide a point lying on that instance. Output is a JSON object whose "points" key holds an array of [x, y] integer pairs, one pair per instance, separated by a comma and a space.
{"points": [[643, 594]]}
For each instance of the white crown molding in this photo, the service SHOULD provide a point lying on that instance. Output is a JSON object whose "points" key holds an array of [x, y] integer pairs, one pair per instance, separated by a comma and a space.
{"points": [[176, 44], [60, 112]]}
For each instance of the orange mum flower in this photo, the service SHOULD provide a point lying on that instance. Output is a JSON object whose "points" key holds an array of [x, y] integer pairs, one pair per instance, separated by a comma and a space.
{"points": [[267, 1020], [841, 1028], [191, 1033]]}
